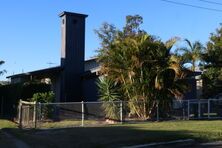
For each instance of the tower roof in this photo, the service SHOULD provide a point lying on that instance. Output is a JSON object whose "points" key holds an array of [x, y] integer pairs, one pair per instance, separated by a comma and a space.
{"points": [[72, 14]]}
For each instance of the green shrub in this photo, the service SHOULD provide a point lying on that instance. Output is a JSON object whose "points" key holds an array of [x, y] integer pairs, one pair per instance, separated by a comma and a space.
{"points": [[46, 97], [46, 110], [30, 88], [11, 93], [108, 93]]}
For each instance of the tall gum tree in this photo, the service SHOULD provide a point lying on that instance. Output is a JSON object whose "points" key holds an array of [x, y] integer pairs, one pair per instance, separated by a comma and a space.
{"points": [[213, 64]]}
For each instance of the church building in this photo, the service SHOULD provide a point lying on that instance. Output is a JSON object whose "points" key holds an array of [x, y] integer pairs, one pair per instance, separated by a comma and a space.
{"points": [[74, 79]]}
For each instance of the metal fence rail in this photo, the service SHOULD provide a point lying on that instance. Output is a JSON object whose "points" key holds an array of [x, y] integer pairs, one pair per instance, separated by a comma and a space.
{"points": [[69, 114]]}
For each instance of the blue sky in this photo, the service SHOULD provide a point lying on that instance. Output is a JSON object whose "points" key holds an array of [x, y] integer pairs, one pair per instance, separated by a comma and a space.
{"points": [[30, 30]]}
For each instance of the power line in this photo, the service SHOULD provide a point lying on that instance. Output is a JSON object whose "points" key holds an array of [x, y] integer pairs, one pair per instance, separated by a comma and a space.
{"points": [[211, 2], [194, 6]]}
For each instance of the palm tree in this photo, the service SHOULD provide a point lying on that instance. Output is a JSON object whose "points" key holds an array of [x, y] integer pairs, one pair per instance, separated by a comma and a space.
{"points": [[145, 71], [2, 71], [192, 53], [142, 67]]}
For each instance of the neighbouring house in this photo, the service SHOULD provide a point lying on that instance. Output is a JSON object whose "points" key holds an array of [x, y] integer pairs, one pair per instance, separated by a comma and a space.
{"points": [[75, 79], [195, 82]]}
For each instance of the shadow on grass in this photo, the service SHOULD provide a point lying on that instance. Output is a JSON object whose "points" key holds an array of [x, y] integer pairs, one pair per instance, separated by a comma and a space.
{"points": [[6, 142], [113, 136]]}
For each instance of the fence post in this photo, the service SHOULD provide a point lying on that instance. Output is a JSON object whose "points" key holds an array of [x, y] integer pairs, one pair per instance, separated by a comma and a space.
{"points": [[208, 109], [182, 102], [34, 110], [121, 111], [199, 109], [40, 111], [157, 111], [35, 114], [188, 109], [20, 114], [82, 113], [2, 106]]}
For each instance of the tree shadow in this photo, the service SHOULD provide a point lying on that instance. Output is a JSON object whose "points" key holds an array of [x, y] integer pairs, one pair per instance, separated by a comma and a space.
{"points": [[110, 136]]}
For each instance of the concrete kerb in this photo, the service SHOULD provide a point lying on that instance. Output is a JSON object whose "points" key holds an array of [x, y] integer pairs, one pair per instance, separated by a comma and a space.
{"points": [[187, 141], [216, 143]]}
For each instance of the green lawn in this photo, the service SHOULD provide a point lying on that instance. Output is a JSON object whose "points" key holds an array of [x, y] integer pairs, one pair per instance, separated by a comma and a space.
{"points": [[6, 124], [69, 124], [121, 135]]}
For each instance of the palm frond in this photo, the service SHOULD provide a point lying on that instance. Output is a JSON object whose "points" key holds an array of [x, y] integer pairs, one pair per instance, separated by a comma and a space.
{"points": [[182, 50], [169, 44], [189, 43]]}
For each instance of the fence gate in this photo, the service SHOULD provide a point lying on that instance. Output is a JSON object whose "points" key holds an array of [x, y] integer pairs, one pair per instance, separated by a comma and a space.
{"points": [[27, 114], [198, 109], [215, 108]]}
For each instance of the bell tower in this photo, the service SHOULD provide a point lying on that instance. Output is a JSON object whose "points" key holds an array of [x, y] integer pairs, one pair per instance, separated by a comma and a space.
{"points": [[72, 55]]}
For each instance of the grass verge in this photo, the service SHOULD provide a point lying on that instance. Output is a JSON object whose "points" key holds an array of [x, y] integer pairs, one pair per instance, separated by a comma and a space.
{"points": [[122, 135]]}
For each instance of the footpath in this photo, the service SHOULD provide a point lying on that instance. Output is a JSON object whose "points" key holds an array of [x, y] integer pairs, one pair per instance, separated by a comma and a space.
{"points": [[179, 144]]}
